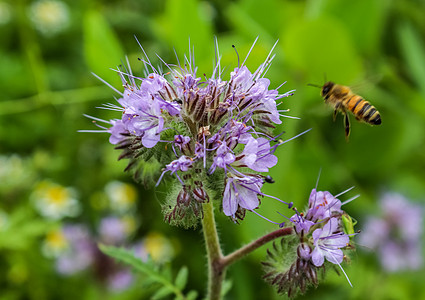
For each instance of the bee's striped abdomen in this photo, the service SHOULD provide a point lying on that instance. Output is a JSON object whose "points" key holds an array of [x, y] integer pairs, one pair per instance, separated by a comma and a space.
{"points": [[363, 110]]}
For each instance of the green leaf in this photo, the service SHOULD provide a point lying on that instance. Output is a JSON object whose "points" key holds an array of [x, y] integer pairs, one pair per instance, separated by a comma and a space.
{"points": [[412, 48], [102, 48], [162, 292], [192, 295], [144, 267], [22, 230], [227, 285], [181, 278]]}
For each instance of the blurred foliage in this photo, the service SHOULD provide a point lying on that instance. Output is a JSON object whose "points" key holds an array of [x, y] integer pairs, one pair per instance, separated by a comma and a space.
{"points": [[375, 46]]}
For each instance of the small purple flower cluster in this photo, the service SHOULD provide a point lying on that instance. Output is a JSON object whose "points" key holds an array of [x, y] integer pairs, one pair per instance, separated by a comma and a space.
{"points": [[319, 235], [219, 131], [397, 234], [79, 251], [82, 253]]}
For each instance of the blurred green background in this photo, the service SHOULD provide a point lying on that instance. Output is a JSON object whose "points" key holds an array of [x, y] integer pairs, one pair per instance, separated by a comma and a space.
{"points": [[47, 53]]}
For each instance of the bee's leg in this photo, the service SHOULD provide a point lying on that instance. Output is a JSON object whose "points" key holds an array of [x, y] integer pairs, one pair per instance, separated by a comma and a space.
{"points": [[334, 115], [347, 125]]}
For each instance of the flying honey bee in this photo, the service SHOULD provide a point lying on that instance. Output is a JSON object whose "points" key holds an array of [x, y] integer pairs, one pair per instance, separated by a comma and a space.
{"points": [[342, 99]]}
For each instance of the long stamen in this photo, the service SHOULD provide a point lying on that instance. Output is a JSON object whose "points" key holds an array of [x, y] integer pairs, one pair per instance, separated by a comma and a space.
{"points": [[351, 199], [346, 191], [261, 216], [345, 274], [294, 137], [108, 84]]}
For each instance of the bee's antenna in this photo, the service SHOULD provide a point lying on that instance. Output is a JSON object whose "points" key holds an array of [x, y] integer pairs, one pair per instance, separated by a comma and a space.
{"points": [[315, 85], [237, 55]]}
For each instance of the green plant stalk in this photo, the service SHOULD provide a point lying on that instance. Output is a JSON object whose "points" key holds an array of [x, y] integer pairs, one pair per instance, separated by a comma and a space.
{"points": [[217, 263], [241, 252], [216, 270]]}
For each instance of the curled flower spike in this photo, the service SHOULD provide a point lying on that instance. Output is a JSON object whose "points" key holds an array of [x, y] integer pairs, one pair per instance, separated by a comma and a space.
{"points": [[219, 130], [319, 238]]}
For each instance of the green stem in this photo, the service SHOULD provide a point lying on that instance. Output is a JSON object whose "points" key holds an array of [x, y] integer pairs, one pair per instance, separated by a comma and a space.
{"points": [[217, 263], [216, 270], [32, 49], [240, 253]]}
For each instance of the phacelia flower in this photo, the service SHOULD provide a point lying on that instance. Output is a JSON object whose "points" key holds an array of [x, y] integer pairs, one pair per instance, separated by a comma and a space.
{"points": [[396, 234], [319, 238], [241, 192], [328, 242], [322, 205], [115, 231], [212, 133], [79, 252]]}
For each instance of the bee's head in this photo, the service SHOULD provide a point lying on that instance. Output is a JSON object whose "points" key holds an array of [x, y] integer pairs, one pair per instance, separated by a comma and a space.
{"points": [[327, 88]]}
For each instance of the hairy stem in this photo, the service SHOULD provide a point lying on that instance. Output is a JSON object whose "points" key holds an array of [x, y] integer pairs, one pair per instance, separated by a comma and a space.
{"points": [[216, 270], [238, 254], [217, 263]]}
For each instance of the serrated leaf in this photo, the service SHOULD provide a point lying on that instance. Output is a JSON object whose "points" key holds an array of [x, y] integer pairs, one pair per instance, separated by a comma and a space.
{"points": [[167, 272], [161, 293], [146, 268], [181, 278]]}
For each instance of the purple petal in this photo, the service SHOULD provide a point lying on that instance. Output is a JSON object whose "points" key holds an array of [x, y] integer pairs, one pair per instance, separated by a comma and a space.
{"points": [[317, 257]]}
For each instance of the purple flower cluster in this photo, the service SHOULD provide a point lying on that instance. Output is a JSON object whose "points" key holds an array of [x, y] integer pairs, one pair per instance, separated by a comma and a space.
{"points": [[319, 237], [215, 127], [397, 234], [322, 229], [82, 253]]}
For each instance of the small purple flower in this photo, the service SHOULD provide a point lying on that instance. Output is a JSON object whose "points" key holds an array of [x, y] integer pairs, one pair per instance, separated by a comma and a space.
{"points": [[304, 251], [118, 132], [257, 155], [153, 84], [241, 79], [328, 242], [243, 192], [80, 254], [182, 142], [302, 226], [148, 124], [113, 231], [223, 158], [396, 234], [120, 280], [240, 132], [322, 205], [183, 163], [269, 105]]}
